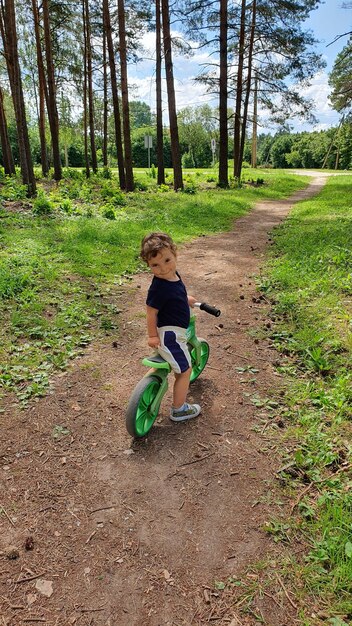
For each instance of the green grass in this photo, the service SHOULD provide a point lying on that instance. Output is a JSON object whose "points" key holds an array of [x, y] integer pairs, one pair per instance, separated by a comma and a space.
{"points": [[62, 262], [309, 281]]}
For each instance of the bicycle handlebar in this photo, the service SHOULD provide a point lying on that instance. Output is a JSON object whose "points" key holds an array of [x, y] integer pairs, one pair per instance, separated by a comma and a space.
{"points": [[208, 308]]}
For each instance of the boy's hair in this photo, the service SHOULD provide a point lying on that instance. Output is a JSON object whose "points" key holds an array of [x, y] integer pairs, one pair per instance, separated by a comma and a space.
{"points": [[153, 243]]}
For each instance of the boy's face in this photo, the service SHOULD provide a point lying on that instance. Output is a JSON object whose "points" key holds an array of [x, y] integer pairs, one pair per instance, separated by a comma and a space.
{"points": [[163, 265]]}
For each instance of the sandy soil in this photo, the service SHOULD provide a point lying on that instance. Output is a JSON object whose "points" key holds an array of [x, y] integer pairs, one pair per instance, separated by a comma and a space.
{"points": [[107, 531]]}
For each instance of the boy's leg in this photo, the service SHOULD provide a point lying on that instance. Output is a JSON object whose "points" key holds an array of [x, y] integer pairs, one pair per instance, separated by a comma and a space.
{"points": [[181, 410], [181, 387]]}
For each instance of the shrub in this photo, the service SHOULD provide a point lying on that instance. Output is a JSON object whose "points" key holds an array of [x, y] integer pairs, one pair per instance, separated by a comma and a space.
{"points": [[42, 205], [190, 189], [138, 185], [163, 188], [12, 190], [118, 199], [188, 160], [73, 173], [66, 205], [106, 173], [109, 213]]}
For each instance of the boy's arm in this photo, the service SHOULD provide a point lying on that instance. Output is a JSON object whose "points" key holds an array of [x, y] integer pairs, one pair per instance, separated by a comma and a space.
{"points": [[153, 338], [191, 301]]}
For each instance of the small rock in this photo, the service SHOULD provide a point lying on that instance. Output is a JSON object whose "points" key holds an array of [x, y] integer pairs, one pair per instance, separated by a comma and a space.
{"points": [[13, 554], [45, 587], [31, 598]]}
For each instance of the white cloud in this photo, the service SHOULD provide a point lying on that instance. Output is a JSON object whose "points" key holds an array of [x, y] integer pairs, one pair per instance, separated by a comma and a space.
{"points": [[192, 93]]}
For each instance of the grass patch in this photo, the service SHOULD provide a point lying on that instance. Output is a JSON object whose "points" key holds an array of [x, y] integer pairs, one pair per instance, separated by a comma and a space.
{"points": [[64, 257], [309, 281]]}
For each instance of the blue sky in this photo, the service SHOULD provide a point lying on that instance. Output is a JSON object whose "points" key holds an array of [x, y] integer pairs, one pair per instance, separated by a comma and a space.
{"points": [[327, 22]]}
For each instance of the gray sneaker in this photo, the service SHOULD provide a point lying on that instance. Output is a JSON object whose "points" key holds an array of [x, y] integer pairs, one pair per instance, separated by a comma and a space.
{"points": [[187, 412]]}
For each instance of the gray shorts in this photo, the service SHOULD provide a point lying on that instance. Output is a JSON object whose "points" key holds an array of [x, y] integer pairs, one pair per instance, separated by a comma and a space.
{"points": [[173, 348]]}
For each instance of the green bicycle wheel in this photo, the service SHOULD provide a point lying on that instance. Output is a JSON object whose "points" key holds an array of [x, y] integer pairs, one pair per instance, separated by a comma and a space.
{"points": [[197, 368], [139, 416]]}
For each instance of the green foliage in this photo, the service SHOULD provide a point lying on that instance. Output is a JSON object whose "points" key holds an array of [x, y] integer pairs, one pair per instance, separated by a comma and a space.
{"points": [[108, 212], [42, 205], [188, 160], [11, 189], [306, 281], [340, 79]]}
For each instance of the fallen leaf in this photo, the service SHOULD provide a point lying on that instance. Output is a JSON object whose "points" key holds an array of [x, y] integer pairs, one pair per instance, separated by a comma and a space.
{"points": [[45, 587]]}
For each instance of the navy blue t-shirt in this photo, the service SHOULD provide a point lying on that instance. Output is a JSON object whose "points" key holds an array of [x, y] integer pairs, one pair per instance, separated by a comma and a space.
{"points": [[170, 299]]}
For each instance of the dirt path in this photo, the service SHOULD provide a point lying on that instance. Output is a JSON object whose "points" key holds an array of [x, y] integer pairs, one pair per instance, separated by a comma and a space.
{"points": [[136, 534]]}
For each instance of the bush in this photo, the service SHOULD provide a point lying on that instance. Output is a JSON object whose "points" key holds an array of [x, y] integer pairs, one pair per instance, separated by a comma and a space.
{"points": [[108, 212], [12, 190], [66, 205], [188, 160], [42, 205], [118, 199], [163, 188], [139, 186], [106, 173]]}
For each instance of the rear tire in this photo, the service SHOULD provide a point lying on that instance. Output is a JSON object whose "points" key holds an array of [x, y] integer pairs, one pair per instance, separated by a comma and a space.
{"points": [[139, 417], [204, 356]]}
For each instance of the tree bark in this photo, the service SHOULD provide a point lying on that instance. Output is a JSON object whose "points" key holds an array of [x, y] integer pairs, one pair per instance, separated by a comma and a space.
{"points": [[9, 35], [255, 123], [43, 91], [105, 113], [114, 91], [52, 105], [248, 90], [85, 91], [124, 97], [159, 104], [175, 143], [88, 47], [9, 165], [239, 91], [223, 146]]}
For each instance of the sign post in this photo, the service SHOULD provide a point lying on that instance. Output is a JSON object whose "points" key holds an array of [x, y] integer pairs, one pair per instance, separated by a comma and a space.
{"points": [[148, 143]]}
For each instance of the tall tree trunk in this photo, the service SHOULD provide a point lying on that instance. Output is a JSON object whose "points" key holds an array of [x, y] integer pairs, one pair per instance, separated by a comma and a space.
{"points": [[224, 139], [85, 90], [9, 34], [52, 105], [159, 104], [114, 91], [93, 151], [248, 90], [255, 123], [8, 161], [43, 91], [239, 90], [105, 113], [124, 97], [175, 143]]}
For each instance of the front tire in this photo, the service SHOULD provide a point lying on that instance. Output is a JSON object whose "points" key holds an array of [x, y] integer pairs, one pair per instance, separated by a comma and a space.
{"points": [[139, 416], [197, 368]]}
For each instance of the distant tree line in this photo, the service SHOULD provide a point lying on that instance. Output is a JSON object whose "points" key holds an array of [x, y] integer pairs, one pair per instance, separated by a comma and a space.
{"points": [[64, 88], [330, 148]]}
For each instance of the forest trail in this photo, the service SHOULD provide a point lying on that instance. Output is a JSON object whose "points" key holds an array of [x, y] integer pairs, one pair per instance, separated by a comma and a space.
{"points": [[136, 533]]}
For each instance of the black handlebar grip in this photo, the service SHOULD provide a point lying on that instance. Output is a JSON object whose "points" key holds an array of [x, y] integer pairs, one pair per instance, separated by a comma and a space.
{"points": [[210, 309]]}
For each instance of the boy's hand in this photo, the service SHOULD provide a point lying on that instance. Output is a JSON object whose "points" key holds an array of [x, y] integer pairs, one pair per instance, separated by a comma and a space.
{"points": [[153, 342], [191, 301]]}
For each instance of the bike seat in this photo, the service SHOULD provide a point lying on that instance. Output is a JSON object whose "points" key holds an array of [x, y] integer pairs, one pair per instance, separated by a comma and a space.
{"points": [[156, 361]]}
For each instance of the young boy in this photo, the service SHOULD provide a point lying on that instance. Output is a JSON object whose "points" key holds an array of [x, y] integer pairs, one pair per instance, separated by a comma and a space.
{"points": [[168, 317]]}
